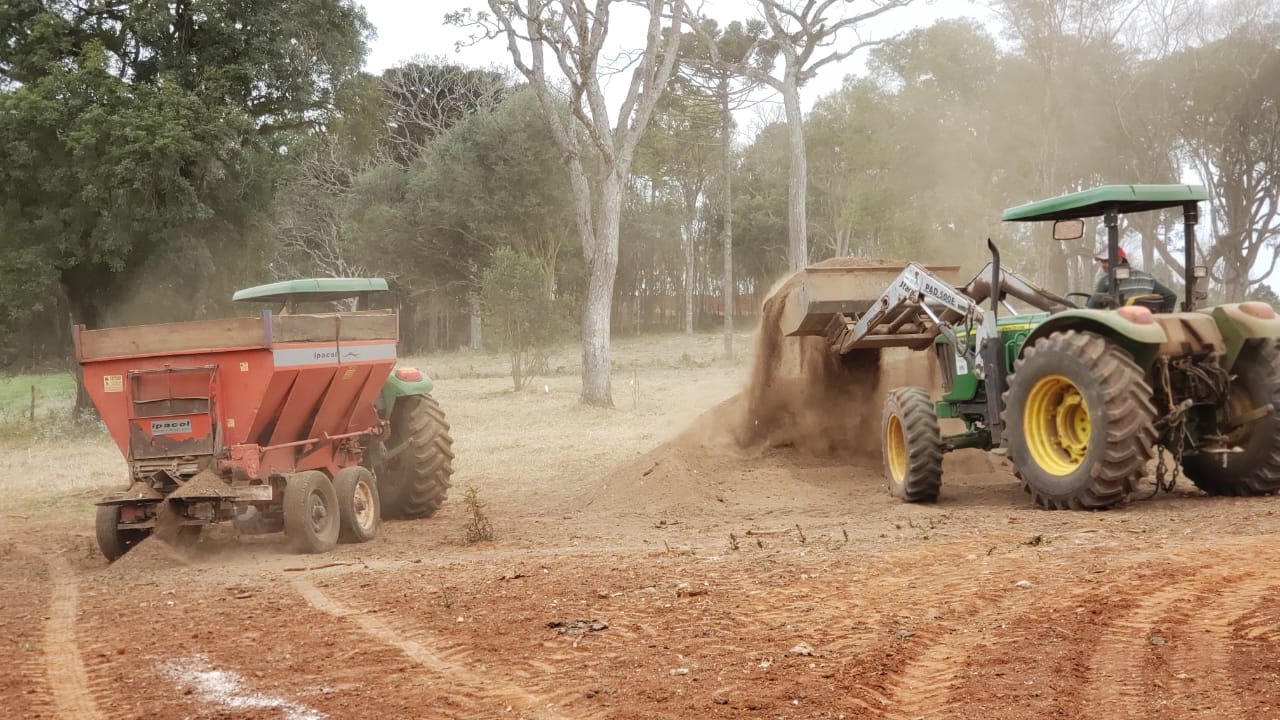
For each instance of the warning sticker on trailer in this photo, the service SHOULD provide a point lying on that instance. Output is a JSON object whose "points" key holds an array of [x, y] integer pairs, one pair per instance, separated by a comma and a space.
{"points": [[176, 426], [112, 383]]}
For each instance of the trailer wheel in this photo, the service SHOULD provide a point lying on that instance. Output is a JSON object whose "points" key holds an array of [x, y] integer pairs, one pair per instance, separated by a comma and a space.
{"points": [[112, 541], [1080, 422], [358, 506], [311, 516], [415, 482], [1256, 470], [912, 445]]}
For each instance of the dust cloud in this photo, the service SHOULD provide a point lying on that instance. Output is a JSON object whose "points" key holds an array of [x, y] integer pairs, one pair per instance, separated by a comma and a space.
{"points": [[801, 394]]}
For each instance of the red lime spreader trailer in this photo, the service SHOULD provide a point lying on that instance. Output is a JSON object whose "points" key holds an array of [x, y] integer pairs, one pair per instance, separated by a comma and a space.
{"points": [[273, 422]]}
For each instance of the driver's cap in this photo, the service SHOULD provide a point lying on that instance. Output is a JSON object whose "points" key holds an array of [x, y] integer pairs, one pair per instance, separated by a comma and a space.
{"points": [[1102, 256]]}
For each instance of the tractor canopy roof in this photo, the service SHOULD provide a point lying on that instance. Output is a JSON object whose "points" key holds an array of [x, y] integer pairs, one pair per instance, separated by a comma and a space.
{"points": [[1096, 201], [311, 289]]}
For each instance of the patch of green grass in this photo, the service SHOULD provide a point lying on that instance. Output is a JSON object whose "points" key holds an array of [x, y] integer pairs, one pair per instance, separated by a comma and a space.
{"points": [[53, 390], [54, 397]]}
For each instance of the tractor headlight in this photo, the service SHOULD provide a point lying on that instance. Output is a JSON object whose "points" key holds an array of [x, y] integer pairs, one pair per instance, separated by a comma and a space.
{"points": [[1136, 314], [1260, 310], [409, 374]]}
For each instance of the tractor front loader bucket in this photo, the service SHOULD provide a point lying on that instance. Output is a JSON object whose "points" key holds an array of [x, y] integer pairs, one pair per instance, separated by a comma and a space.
{"points": [[845, 300]]}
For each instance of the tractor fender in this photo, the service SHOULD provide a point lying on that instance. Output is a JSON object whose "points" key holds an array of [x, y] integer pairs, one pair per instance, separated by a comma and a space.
{"points": [[1140, 340], [397, 387], [1242, 322]]}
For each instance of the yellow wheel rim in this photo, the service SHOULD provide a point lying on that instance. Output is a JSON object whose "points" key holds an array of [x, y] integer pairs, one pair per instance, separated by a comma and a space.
{"points": [[1056, 426], [896, 449]]}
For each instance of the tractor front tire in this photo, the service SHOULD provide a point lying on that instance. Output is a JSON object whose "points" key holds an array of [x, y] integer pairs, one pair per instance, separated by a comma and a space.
{"points": [[912, 445], [1080, 422], [358, 505], [311, 514], [415, 482], [1256, 470], [113, 541]]}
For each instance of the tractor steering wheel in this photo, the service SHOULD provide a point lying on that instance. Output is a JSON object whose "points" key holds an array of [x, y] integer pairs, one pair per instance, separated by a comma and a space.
{"points": [[1086, 297]]}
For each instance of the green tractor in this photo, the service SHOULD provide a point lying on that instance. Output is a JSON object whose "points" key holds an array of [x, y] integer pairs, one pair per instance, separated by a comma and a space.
{"points": [[1079, 399], [413, 459]]}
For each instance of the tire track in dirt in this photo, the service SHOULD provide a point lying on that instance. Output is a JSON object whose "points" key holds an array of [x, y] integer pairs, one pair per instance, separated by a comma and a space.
{"points": [[1201, 612], [1119, 671], [64, 667], [909, 613], [924, 681], [952, 596], [923, 688], [1200, 659], [481, 695], [23, 599]]}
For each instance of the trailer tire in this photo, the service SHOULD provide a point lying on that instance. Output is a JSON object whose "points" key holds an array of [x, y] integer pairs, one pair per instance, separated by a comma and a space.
{"points": [[112, 541], [311, 515], [912, 445], [358, 504], [415, 483], [1256, 471], [1080, 422]]}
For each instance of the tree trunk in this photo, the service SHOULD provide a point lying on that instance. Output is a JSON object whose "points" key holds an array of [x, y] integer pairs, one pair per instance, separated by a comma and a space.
{"points": [[433, 321], [602, 271], [688, 277], [797, 241], [83, 310], [726, 202], [1235, 281], [477, 340]]}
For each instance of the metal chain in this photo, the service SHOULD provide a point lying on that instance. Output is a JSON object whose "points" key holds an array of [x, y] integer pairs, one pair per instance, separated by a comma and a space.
{"points": [[1175, 423]]}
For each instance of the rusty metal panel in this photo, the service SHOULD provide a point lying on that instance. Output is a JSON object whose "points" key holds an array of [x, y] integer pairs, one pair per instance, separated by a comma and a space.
{"points": [[171, 412]]}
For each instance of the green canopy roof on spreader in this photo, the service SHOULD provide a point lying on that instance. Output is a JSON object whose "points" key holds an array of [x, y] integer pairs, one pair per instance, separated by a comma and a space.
{"points": [[311, 289], [1094, 202]]}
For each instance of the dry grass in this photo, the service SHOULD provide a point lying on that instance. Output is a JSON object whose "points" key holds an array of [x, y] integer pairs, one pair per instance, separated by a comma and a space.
{"points": [[58, 475], [540, 444]]}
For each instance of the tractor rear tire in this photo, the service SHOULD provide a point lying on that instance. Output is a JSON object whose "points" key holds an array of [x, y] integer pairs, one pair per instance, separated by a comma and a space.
{"points": [[358, 505], [912, 445], [112, 541], [311, 515], [1080, 422], [415, 482], [1256, 471]]}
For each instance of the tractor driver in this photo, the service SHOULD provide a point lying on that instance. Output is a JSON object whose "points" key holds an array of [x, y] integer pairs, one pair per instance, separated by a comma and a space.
{"points": [[1138, 286]]}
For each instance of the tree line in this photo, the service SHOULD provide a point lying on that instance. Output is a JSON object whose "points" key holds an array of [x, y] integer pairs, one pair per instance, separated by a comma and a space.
{"points": [[157, 156]]}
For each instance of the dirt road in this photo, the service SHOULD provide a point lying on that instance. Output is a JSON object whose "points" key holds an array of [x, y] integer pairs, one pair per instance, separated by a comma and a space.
{"points": [[645, 567]]}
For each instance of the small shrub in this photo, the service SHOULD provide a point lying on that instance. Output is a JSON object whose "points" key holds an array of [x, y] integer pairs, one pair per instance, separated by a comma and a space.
{"points": [[478, 528], [520, 315]]}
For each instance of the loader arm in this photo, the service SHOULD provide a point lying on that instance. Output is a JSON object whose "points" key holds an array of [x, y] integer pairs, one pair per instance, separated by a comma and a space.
{"points": [[916, 307], [1011, 283]]}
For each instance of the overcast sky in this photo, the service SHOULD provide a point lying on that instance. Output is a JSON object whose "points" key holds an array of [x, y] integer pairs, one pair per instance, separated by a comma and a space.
{"points": [[407, 28]]}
